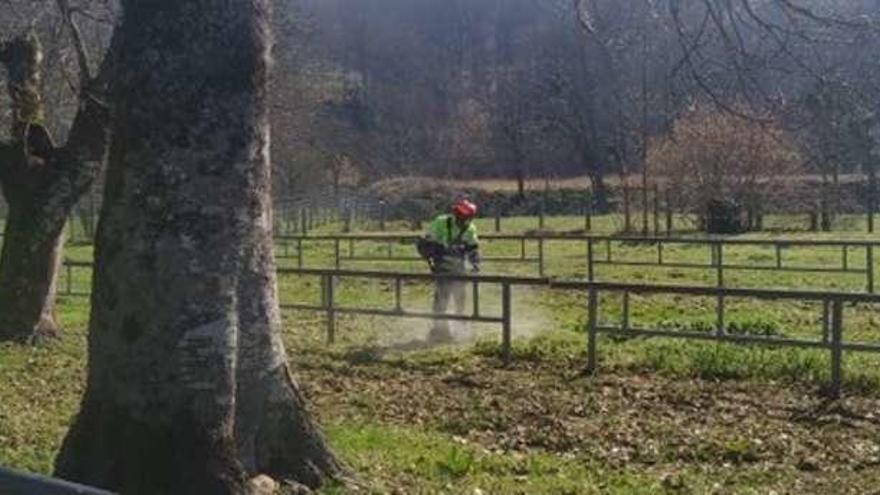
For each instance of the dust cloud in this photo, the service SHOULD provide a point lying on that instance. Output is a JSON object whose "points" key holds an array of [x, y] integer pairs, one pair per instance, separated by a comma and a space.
{"points": [[529, 319]]}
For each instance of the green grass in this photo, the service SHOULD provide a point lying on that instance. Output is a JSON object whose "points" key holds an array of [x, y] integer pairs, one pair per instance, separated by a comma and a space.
{"points": [[411, 460], [439, 452], [661, 416]]}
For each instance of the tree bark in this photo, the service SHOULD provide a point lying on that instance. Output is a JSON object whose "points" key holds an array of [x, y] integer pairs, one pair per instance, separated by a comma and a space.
{"points": [[29, 265], [41, 184], [189, 390]]}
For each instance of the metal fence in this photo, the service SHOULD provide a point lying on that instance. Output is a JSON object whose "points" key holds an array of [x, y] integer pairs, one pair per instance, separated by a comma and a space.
{"points": [[330, 306], [633, 209], [830, 337], [345, 251], [832, 304]]}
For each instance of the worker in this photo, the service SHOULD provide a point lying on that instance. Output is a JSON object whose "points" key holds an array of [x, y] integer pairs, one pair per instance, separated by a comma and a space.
{"points": [[449, 246]]}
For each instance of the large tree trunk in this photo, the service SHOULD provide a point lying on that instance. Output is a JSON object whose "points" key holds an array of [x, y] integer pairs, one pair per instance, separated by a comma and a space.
{"points": [[29, 265], [41, 184], [189, 390]]}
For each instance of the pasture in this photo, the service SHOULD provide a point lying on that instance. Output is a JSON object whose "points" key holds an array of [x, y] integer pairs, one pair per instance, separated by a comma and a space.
{"points": [[661, 415]]}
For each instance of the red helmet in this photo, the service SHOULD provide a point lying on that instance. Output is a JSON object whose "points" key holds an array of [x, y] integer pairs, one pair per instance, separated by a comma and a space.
{"points": [[464, 209]]}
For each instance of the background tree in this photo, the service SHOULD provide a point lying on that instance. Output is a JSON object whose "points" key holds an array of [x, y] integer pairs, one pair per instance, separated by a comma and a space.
{"points": [[712, 156], [189, 389], [42, 181]]}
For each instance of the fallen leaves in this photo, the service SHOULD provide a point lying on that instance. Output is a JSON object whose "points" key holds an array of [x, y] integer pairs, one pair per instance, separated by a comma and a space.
{"points": [[622, 420]]}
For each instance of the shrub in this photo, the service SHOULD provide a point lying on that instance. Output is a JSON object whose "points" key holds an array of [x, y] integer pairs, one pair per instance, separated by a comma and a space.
{"points": [[712, 157]]}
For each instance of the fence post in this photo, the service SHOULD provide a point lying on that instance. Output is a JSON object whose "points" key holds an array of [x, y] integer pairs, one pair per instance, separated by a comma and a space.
{"points": [[331, 312], [668, 212], [505, 322], [542, 213], [719, 258], [656, 210], [778, 255], [336, 253], [382, 215], [475, 293], [588, 212], [592, 319], [625, 316], [398, 289], [719, 263], [498, 221], [541, 257], [836, 348], [869, 267], [69, 278], [627, 220], [825, 214], [590, 268], [826, 321], [299, 252]]}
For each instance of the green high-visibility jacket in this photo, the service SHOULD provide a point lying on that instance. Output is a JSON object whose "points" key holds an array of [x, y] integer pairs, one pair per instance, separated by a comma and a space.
{"points": [[446, 231]]}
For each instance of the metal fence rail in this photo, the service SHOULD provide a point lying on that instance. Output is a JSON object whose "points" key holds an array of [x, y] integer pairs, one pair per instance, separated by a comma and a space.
{"points": [[715, 246], [344, 250], [18, 483]]}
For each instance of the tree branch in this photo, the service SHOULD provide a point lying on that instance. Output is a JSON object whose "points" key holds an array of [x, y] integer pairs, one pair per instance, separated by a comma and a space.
{"points": [[807, 13], [82, 56], [583, 17], [22, 57], [696, 75], [89, 133]]}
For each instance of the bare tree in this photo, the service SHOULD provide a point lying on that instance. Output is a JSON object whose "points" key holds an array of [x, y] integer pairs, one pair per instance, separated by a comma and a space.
{"points": [[42, 181]]}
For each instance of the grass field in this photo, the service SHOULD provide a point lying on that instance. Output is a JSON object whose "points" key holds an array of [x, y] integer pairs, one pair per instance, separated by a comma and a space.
{"points": [[662, 416]]}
